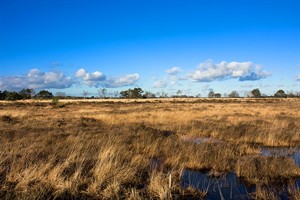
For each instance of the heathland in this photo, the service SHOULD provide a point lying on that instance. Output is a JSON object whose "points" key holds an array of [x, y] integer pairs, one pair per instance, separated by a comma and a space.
{"points": [[139, 149]]}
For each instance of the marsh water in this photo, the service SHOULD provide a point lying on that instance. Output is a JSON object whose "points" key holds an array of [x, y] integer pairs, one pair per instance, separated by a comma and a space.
{"points": [[229, 186], [226, 186], [292, 152]]}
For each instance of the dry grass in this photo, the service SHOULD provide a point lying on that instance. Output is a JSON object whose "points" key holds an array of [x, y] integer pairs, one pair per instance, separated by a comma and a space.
{"points": [[106, 149]]}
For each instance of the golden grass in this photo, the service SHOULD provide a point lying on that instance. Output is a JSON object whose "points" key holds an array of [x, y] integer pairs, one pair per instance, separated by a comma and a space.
{"points": [[103, 149]]}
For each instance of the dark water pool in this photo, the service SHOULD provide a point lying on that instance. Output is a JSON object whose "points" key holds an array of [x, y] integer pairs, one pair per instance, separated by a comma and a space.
{"points": [[229, 186], [226, 186]]}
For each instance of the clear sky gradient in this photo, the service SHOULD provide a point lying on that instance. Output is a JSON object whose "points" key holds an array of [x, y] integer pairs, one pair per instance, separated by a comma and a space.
{"points": [[158, 45]]}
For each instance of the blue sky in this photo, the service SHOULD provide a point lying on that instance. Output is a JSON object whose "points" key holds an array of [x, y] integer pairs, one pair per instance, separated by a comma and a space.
{"points": [[160, 46]]}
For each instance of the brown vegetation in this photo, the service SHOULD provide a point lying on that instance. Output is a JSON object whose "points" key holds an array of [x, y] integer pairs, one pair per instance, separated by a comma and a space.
{"points": [[127, 149]]}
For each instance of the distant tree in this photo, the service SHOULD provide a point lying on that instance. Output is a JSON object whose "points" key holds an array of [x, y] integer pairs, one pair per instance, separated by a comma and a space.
{"points": [[217, 95], [12, 96], [26, 93], [280, 93], [198, 95], [136, 93], [132, 93], [116, 94], [3, 95], [164, 94], [44, 94], [179, 92], [125, 94], [85, 93], [292, 94], [256, 93], [102, 93], [234, 94], [211, 94], [149, 95]]}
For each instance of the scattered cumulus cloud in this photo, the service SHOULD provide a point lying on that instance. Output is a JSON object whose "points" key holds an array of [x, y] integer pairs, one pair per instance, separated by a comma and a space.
{"points": [[37, 79], [97, 79], [121, 81], [210, 71], [173, 70], [81, 73], [91, 79], [172, 78], [159, 84]]}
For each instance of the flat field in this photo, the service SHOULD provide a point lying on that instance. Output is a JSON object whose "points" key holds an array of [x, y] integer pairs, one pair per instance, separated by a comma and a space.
{"points": [[141, 149]]}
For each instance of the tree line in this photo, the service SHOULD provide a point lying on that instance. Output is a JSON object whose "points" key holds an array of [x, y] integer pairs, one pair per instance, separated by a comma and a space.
{"points": [[25, 94], [135, 93]]}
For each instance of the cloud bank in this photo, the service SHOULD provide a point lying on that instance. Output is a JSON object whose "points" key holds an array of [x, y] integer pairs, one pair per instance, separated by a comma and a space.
{"points": [[210, 71], [36, 79]]}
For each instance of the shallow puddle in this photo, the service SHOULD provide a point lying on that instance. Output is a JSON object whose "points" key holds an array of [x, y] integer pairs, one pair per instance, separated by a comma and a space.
{"points": [[229, 186], [292, 152]]}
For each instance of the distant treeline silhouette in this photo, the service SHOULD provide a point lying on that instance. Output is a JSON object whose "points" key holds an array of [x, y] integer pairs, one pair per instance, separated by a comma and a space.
{"points": [[137, 93]]}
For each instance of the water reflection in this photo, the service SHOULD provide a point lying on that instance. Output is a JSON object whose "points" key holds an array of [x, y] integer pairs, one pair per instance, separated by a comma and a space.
{"points": [[226, 186], [292, 152], [229, 186]]}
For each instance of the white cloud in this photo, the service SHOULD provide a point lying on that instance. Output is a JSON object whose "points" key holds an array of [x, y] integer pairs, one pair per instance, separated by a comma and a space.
{"points": [[81, 73], [121, 81], [36, 79], [173, 70], [159, 84], [91, 79], [209, 71], [298, 77], [97, 78]]}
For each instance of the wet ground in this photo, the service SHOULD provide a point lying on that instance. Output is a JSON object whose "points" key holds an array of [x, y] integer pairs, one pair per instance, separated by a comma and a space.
{"points": [[292, 152], [229, 186]]}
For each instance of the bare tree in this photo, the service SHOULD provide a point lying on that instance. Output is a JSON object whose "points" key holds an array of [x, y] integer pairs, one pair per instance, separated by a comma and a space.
{"points": [[179, 92], [102, 93], [85, 93], [234, 94], [211, 94]]}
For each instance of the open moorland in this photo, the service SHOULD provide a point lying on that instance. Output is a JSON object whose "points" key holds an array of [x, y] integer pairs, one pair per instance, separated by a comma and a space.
{"points": [[149, 149]]}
